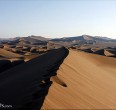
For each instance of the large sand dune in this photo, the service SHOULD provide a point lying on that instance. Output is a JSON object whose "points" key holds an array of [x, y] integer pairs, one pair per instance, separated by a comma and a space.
{"points": [[26, 85], [90, 83]]}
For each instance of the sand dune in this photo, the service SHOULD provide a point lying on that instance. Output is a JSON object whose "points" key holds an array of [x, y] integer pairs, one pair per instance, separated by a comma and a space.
{"points": [[9, 54], [88, 50], [26, 85], [99, 52], [90, 80], [29, 57], [110, 52], [4, 65], [95, 49]]}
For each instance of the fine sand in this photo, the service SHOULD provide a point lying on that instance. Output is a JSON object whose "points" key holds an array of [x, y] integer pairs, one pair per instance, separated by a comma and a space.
{"points": [[90, 83], [25, 86]]}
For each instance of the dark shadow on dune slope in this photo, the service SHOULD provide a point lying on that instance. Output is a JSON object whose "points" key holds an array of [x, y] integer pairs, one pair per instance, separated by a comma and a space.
{"points": [[4, 65], [99, 52], [26, 85], [7, 64], [87, 50], [58, 81]]}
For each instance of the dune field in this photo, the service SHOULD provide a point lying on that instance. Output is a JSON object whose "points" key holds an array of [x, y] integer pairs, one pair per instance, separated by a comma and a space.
{"points": [[90, 83], [65, 73]]}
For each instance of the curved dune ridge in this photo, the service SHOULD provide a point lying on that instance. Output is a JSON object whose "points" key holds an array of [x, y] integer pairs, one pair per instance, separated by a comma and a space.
{"points": [[26, 85], [110, 53], [101, 51], [90, 80]]}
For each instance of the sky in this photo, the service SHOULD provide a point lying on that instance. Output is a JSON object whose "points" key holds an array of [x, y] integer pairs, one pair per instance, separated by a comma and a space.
{"points": [[57, 18]]}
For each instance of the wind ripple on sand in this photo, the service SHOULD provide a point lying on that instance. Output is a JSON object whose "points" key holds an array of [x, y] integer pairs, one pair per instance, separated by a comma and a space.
{"points": [[91, 83]]}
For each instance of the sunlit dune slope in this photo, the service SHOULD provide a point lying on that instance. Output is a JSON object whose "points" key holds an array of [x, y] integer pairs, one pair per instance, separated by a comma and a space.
{"points": [[9, 54], [90, 83], [29, 57], [110, 53]]}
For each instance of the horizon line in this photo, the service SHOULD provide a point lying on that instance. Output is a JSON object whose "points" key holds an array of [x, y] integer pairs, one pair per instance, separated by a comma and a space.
{"points": [[57, 37]]}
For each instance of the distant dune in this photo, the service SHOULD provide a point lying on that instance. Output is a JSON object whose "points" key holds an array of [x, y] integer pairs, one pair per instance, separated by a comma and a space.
{"points": [[90, 83], [110, 52], [8, 54], [32, 67]]}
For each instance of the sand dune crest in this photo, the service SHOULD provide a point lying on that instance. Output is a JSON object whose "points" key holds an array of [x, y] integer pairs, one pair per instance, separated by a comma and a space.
{"points": [[91, 81]]}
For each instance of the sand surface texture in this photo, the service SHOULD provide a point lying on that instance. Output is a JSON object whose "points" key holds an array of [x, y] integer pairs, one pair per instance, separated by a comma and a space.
{"points": [[90, 83]]}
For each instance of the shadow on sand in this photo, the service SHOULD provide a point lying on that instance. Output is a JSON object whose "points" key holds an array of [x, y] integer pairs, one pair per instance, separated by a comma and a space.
{"points": [[27, 88]]}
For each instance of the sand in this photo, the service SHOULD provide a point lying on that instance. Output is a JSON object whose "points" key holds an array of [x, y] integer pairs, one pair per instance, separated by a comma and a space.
{"points": [[110, 53], [9, 54], [29, 57], [90, 80], [26, 85]]}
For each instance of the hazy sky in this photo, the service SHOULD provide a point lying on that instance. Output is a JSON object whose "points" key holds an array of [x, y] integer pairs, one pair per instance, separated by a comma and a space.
{"points": [[57, 18]]}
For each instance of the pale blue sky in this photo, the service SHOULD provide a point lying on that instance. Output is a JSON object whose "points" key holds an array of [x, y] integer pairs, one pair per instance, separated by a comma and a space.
{"points": [[57, 18]]}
